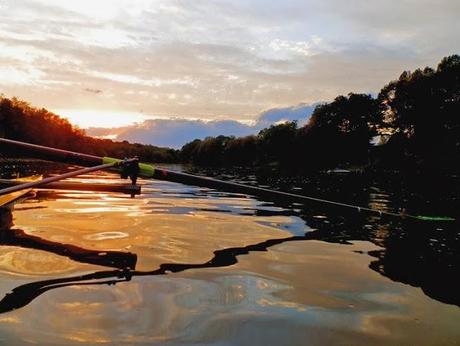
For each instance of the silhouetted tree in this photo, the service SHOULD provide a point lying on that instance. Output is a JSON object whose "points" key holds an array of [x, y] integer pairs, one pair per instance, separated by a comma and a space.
{"points": [[20, 121], [424, 106], [278, 143], [418, 114], [242, 151], [340, 131]]}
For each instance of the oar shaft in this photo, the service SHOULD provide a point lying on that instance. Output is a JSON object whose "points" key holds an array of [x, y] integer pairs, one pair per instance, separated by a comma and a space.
{"points": [[55, 178], [80, 186], [184, 178], [54, 154]]}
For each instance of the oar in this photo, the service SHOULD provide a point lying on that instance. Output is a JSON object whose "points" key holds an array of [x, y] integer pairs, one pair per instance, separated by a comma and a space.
{"points": [[128, 189], [149, 171], [64, 176]]}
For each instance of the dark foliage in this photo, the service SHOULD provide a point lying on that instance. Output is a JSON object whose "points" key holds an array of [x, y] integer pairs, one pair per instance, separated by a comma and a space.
{"points": [[20, 121], [417, 118], [422, 108]]}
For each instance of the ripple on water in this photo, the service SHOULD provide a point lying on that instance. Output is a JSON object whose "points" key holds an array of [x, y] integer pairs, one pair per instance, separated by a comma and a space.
{"points": [[106, 235], [27, 262]]}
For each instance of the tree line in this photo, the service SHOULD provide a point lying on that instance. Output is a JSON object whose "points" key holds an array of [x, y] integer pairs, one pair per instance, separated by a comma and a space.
{"points": [[20, 121], [413, 123]]}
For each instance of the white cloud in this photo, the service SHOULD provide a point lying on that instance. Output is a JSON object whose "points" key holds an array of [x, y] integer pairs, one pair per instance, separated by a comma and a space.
{"points": [[305, 48], [221, 59], [16, 76], [88, 118]]}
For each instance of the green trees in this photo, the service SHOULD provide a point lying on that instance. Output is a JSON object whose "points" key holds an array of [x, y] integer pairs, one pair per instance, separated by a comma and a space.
{"points": [[418, 115], [242, 151], [18, 120], [276, 143], [221, 151], [341, 130], [338, 133], [23, 122], [422, 108]]}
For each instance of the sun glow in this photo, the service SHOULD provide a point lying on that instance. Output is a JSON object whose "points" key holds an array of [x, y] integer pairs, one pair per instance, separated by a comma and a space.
{"points": [[93, 118]]}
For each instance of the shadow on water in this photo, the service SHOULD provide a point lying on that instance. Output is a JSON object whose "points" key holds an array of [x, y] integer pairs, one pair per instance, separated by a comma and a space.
{"points": [[417, 253], [24, 294], [405, 258], [17, 237]]}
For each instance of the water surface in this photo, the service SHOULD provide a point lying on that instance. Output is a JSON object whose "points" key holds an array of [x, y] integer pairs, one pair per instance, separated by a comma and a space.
{"points": [[221, 269]]}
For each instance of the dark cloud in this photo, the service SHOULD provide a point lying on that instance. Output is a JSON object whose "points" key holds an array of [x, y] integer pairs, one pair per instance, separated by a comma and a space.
{"points": [[93, 91], [300, 113]]}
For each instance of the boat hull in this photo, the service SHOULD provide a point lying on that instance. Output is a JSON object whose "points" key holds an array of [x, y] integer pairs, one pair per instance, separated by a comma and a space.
{"points": [[8, 200]]}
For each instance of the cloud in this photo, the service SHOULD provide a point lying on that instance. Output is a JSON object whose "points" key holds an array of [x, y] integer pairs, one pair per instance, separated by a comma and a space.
{"points": [[300, 113], [175, 133], [214, 59]]}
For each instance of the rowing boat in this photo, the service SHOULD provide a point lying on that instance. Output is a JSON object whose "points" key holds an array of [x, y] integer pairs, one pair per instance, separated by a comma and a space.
{"points": [[8, 200]]}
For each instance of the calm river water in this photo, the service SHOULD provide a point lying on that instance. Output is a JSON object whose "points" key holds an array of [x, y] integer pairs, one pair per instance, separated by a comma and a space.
{"points": [[224, 269]]}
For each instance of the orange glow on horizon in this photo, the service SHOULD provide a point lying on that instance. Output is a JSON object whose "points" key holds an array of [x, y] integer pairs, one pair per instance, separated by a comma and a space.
{"points": [[94, 118]]}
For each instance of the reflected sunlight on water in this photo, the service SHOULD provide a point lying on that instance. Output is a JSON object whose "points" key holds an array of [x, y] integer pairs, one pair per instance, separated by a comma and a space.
{"points": [[237, 271]]}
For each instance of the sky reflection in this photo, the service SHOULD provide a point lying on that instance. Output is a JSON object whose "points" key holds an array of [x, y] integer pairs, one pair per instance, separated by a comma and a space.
{"points": [[241, 273]]}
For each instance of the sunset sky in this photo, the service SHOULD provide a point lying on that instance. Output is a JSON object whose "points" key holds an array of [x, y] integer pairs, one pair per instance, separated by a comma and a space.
{"points": [[118, 62]]}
